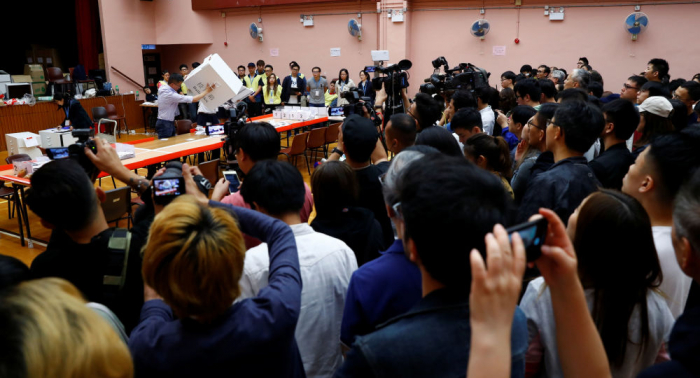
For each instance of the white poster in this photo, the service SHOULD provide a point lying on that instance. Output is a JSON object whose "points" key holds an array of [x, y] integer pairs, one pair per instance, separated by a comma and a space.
{"points": [[499, 50], [274, 52], [335, 51]]}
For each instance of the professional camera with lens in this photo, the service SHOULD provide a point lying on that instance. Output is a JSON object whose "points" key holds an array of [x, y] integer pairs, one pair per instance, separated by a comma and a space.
{"points": [[464, 76], [355, 106], [171, 184], [237, 119], [395, 79], [76, 151]]}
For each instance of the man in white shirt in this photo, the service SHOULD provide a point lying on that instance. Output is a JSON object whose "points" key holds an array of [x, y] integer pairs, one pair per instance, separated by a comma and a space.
{"points": [[654, 179], [168, 100], [276, 188], [528, 92], [488, 118]]}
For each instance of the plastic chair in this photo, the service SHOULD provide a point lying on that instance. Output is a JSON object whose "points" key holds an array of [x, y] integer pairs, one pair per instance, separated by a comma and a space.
{"points": [[316, 141], [331, 136], [117, 204], [298, 148], [114, 116], [77, 82], [210, 171], [54, 75], [99, 115]]}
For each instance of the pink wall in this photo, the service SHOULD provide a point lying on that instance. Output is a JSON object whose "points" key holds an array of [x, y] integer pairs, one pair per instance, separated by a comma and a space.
{"points": [[125, 26], [596, 33], [185, 36]]}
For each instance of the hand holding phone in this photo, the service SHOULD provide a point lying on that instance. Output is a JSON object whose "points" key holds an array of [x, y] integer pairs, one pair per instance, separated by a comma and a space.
{"points": [[533, 235], [166, 189], [234, 182]]}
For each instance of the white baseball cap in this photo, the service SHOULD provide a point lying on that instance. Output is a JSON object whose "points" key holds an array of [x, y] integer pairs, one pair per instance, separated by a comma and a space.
{"points": [[657, 105]]}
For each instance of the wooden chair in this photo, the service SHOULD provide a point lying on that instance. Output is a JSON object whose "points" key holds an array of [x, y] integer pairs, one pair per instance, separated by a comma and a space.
{"points": [[114, 116], [183, 126], [316, 141], [8, 193], [298, 148], [331, 136], [210, 171], [117, 206]]}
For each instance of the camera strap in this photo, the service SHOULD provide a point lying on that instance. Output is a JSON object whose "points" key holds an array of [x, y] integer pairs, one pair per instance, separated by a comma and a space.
{"points": [[117, 259]]}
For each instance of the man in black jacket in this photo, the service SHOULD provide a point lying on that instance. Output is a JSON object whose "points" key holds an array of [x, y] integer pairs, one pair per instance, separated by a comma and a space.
{"points": [[293, 87], [569, 181], [621, 119]]}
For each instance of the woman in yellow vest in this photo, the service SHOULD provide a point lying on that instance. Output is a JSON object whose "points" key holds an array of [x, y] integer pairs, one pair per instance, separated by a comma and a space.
{"points": [[272, 92]]}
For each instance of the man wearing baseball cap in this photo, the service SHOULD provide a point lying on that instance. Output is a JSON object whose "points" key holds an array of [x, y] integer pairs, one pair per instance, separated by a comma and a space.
{"points": [[359, 141]]}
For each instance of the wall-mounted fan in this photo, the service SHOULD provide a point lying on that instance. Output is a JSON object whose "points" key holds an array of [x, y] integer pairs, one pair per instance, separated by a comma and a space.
{"points": [[480, 28], [355, 29], [256, 32], [636, 23]]}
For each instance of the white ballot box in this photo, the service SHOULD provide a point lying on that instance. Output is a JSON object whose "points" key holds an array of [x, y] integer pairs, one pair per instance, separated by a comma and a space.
{"points": [[52, 138], [213, 70], [23, 143]]}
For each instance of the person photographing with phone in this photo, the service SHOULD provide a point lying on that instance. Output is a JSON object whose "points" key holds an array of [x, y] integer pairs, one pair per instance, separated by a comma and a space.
{"points": [[168, 100]]}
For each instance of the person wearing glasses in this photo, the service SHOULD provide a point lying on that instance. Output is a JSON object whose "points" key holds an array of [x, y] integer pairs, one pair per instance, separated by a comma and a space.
{"points": [[689, 94], [543, 72], [583, 61], [562, 187], [630, 89], [508, 79], [316, 87]]}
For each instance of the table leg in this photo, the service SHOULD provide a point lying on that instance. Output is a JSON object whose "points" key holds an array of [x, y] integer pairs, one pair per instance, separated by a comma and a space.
{"points": [[25, 214], [18, 208]]}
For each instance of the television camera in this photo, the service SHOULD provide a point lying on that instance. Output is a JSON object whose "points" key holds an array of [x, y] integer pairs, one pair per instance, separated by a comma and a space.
{"points": [[464, 76]]}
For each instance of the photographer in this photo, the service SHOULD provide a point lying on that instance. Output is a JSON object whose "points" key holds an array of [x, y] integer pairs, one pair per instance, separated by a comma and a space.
{"points": [[391, 92], [64, 197]]}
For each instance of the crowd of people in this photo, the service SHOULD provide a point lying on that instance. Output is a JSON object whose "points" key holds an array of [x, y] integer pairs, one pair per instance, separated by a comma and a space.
{"points": [[406, 268]]}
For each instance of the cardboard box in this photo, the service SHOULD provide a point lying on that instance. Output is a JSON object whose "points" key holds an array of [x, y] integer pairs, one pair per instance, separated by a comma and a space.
{"points": [[21, 78], [36, 71], [39, 89], [23, 143], [213, 70]]}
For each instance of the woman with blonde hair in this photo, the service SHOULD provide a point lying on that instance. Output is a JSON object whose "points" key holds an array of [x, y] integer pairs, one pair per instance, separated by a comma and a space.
{"points": [[193, 261], [47, 331]]}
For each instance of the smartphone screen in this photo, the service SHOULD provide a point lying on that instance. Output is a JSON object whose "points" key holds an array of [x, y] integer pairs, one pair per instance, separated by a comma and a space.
{"points": [[233, 182], [168, 187], [337, 111], [533, 235]]}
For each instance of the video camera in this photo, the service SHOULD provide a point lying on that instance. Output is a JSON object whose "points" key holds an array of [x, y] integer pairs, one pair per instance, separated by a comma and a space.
{"points": [[76, 151], [396, 77], [355, 106], [464, 76], [237, 120]]}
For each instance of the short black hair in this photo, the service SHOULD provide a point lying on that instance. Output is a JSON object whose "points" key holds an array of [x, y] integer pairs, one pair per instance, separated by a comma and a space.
{"points": [[474, 201], [686, 211], [661, 66], [295, 66], [405, 127], [175, 78], [528, 87], [548, 88], [164, 72], [581, 123], [693, 89], [183, 65], [510, 75], [441, 139], [359, 138], [482, 93], [584, 60], [63, 195], [428, 110], [259, 140], [316, 68], [596, 77], [638, 80], [526, 68], [588, 67], [463, 98], [270, 65], [656, 89], [546, 69], [674, 84], [522, 113], [276, 186], [679, 115], [572, 94], [260, 62], [466, 118], [673, 156], [292, 63], [519, 77], [12, 272], [596, 89], [195, 65], [241, 66], [624, 115]]}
